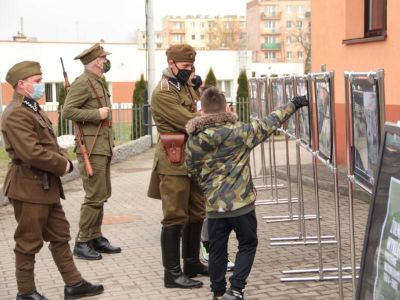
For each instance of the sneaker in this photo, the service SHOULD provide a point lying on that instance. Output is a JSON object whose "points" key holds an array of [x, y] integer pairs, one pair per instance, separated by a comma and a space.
{"points": [[204, 251], [230, 265], [232, 295]]}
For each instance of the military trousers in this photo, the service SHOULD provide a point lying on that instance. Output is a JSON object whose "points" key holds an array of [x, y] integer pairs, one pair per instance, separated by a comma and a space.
{"points": [[97, 191], [182, 200], [37, 223]]}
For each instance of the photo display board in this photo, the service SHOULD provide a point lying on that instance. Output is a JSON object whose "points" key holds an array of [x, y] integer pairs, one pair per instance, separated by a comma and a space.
{"points": [[253, 102], [276, 93], [289, 93], [324, 112], [262, 92], [366, 129], [305, 128], [379, 276]]}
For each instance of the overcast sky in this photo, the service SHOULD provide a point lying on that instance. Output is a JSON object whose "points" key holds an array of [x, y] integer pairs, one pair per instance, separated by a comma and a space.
{"points": [[92, 20]]}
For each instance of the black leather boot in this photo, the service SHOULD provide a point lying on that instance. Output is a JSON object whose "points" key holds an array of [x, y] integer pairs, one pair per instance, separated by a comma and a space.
{"points": [[192, 265], [173, 275]]}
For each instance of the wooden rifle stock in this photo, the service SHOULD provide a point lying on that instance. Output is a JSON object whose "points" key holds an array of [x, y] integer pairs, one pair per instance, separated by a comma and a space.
{"points": [[78, 131], [82, 148]]}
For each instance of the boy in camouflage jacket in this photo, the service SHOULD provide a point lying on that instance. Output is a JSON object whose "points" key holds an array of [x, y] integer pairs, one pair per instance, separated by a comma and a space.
{"points": [[217, 156]]}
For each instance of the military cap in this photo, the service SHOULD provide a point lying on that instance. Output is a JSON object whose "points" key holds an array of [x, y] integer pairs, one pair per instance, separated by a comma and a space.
{"points": [[181, 53], [92, 53], [23, 70]]}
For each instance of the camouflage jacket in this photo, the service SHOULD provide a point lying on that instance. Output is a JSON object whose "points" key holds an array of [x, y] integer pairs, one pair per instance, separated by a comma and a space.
{"points": [[217, 156]]}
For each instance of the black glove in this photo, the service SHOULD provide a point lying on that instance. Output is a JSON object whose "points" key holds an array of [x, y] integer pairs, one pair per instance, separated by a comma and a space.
{"points": [[299, 101], [197, 82]]}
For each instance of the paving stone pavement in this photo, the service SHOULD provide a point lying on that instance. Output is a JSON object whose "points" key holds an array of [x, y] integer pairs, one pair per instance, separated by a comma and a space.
{"points": [[132, 221]]}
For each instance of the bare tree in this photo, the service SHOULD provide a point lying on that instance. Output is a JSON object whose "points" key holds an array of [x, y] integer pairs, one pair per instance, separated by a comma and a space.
{"points": [[225, 34], [301, 32]]}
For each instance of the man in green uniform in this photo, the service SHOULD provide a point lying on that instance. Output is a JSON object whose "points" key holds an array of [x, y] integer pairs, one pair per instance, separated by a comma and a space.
{"points": [[33, 186], [88, 105], [172, 105]]}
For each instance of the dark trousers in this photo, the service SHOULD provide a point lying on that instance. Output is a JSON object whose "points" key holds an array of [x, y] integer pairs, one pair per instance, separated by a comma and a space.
{"points": [[38, 223], [245, 228]]}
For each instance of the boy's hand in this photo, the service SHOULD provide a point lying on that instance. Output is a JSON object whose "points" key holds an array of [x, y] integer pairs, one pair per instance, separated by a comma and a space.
{"points": [[299, 101]]}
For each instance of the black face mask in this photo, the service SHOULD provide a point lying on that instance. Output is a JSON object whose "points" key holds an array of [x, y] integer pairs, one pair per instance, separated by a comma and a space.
{"points": [[183, 75]]}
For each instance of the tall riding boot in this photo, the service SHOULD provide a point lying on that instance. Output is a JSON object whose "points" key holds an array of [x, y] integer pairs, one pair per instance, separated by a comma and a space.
{"points": [[191, 250], [173, 276]]}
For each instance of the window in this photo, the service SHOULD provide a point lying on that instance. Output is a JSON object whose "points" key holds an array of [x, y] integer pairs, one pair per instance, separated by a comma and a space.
{"points": [[299, 24], [288, 24], [299, 54], [375, 17], [202, 37], [289, 39], [178, 25], [226, 87], [270, 55], [270, 10], [288, 9], [177, 37], [202, 24], [270, 39], [193, 37], [269, 24], [289, 55], [48, 87], [300, 10]]}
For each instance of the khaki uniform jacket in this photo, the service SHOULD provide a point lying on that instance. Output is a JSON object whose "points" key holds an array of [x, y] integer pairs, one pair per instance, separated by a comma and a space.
{"points": [[172, 106], [81, 105], [32, 145]]}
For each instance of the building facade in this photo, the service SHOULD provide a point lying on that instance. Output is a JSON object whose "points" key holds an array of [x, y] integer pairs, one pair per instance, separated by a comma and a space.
{"points": [[279, 30], [359, 36], [202, 32]]}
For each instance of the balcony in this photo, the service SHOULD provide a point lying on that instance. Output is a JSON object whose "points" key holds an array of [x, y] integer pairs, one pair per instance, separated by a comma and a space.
{"points": [[270, 31], [271, 15], [271, 46]]}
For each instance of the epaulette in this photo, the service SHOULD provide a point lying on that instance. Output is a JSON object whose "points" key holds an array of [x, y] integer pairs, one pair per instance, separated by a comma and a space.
{"points": [[32, 104], [175, 83], [164, 84]]}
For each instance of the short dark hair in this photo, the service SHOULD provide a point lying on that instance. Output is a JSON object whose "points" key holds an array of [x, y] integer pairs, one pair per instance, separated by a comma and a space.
{"points": [[213, 101]]}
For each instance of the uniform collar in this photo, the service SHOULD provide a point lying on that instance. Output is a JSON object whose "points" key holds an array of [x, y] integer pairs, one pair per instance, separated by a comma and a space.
{"points": [[31, 103]]}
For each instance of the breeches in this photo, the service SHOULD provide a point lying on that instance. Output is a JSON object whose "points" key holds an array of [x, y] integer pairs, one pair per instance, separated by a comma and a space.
{"points": [[38, 223], [97, 191], [182, 200]]}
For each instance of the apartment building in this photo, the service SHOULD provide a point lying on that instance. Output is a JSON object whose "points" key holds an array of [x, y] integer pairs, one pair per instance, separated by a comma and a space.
{"points": [[203, 32], [279, 30]]}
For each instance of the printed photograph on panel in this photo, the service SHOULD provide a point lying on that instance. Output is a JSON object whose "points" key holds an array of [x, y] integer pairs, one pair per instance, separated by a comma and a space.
{"points": [[263, 103], [305, 133], [253, 102], [289, 95], [366, 132], [277, 93], [324, 121]]}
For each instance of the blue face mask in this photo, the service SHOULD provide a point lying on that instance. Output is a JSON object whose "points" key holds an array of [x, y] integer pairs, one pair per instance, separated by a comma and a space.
{"points": [[38, 91]]}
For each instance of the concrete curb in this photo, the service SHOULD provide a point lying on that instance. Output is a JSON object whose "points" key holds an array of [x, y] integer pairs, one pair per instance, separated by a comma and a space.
{"points": [[121, 152]]}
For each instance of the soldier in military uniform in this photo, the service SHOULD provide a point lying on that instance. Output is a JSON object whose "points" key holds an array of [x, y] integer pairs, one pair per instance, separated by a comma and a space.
{"points": [[33, 186], [173, 104], [88, 104], [217, 156]]}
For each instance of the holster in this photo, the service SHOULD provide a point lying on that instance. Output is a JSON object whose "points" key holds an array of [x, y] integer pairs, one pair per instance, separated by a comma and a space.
{"points": [[173, 144]]}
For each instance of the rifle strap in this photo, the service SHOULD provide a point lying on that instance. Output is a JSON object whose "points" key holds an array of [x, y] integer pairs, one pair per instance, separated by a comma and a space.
{"points": [[95, 93]]}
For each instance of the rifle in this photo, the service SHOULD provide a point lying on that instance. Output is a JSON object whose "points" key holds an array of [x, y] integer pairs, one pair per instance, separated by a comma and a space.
{"points": [[79, 136]]}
